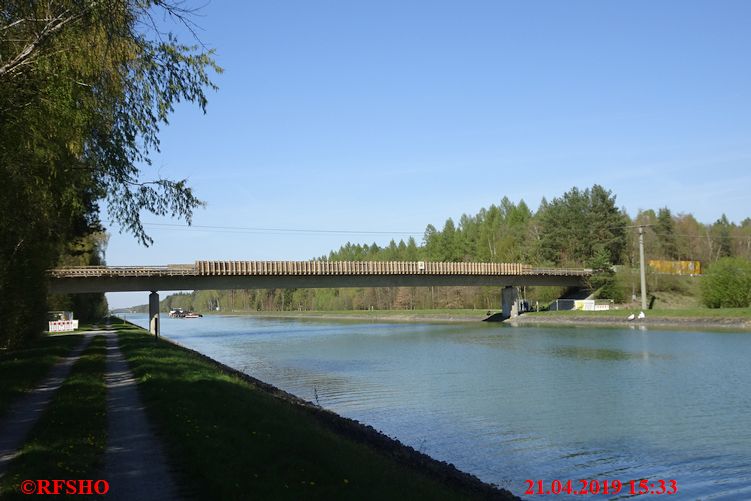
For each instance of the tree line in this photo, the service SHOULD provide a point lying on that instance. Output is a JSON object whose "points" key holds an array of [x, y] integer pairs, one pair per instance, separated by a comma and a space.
{"points": [[85, 86], [581, 228]]}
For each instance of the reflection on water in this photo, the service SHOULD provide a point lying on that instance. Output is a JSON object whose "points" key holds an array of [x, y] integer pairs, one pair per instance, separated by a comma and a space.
{"points": [[510, 404], [585, 353]]}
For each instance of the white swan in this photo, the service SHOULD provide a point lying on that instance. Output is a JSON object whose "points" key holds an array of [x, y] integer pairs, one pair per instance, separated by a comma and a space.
{"points": [[630, 317], [641, 315]]}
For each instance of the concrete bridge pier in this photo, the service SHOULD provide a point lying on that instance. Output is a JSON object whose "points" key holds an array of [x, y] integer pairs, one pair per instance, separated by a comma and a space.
{"points": [[154, 313], [508, 302]]}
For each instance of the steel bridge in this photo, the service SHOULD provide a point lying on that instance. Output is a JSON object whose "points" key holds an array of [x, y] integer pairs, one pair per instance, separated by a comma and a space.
{"points": [[307, 274]]}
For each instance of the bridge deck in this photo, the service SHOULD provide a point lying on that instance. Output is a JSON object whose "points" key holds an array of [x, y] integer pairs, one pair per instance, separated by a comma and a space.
{"points": [[317, 268]]}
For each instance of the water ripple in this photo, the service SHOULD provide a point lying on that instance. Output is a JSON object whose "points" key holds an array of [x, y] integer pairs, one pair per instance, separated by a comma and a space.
{"points": [[510, 404]]}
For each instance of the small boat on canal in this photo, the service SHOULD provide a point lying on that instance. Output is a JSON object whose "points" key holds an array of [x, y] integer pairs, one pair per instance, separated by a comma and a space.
{"points": [[180, 313]]}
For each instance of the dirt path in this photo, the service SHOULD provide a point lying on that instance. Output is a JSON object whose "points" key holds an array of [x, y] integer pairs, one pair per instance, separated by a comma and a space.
{"points": [[135, 464], [26, 411]]}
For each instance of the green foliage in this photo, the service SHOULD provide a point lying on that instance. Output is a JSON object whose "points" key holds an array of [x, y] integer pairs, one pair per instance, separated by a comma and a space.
{"points": [[727, 284], [84, 89], [543, 296], [580, 223], [614, 289], [665, 231], [722, 229], [84, 251], [668, 283], [600, 262], [604, 280]]}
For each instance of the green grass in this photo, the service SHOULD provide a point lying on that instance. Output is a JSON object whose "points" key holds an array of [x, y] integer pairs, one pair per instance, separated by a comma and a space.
{"points": [[710, 313], [23, 369], [228, 439], [672, 300], [89, 327], [70, 438]]}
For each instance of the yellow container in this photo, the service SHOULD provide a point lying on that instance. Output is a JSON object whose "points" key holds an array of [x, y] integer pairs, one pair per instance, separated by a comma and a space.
{"points": [[675, 267]]}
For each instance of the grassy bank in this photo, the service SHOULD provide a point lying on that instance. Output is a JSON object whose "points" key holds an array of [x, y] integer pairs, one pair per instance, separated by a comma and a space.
{"points": [[701, 317], [673, 314], [720, 317], [229, 438], [23, 369], [69, 440], [711, 313]]}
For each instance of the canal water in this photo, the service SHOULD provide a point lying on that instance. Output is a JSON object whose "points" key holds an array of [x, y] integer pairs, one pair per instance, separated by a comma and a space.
{"points": [[511, 404]]}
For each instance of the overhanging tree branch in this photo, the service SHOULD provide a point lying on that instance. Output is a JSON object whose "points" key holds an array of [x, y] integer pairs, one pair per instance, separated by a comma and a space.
{"points": [[52, 26]]}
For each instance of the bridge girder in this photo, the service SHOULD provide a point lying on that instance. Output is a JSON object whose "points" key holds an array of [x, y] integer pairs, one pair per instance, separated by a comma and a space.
{"points": [[71, 285]]}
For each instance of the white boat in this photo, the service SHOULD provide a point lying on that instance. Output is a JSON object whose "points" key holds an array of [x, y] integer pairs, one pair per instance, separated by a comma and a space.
{"points": [[176, 313]]}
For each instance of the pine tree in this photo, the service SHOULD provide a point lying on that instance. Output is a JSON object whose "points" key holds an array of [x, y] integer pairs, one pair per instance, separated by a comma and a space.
{"points": [[665, 232]]}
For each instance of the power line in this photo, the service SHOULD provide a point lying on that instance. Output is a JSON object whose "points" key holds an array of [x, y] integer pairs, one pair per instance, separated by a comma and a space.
{"points": [[278, 231], [283, 231], [714, 237]]}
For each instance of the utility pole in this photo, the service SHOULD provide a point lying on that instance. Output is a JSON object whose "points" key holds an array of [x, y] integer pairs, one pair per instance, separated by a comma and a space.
{"points": [[642, 270]]}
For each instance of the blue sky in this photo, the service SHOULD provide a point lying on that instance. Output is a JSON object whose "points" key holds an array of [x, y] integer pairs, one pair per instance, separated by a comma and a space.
{"points": [[386, 116]]}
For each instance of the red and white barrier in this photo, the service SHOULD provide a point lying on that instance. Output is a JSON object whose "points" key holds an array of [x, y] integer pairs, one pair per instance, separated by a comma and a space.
{"points": [[63, 325]]}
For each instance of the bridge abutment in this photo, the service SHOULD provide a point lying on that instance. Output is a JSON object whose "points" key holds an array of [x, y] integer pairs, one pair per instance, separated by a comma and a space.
{"points": [[154, 313], [508, 302]]}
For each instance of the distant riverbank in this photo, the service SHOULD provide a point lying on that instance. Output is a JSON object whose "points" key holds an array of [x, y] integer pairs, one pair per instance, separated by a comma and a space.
{"points": [[733, 318], [439, 315]]}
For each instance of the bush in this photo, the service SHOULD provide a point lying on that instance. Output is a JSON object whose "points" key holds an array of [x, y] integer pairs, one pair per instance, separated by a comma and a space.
{"points": [[727, 284], [614, 288], [680, 284], [607, 283], [543, 295]]}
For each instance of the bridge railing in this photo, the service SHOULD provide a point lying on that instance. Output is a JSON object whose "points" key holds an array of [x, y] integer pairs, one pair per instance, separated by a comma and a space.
{"points": [[357, 268], [121, 271], [302, 268], [578, 272]]}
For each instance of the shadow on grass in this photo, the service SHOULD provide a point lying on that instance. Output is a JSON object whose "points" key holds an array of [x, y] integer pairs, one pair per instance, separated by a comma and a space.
{"points": [[69, 440], [24, 369]]}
